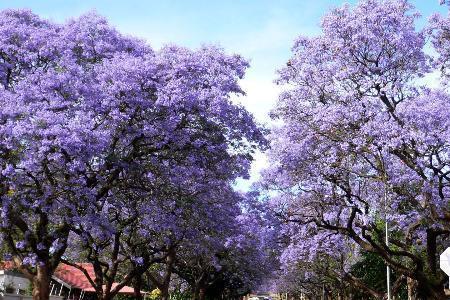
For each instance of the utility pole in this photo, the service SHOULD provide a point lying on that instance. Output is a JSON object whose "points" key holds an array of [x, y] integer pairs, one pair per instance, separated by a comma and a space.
{"points": [[388, 269], [386, 228]]}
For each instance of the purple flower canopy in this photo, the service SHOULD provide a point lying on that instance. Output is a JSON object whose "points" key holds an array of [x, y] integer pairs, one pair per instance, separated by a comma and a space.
{"points": [[125, 157], [107, 144], [363, 142]]}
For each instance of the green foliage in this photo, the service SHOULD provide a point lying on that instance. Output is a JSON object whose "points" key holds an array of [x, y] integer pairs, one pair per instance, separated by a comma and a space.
{"points": [[179, 295], [371, 270], [29, 289], [123, 297]]}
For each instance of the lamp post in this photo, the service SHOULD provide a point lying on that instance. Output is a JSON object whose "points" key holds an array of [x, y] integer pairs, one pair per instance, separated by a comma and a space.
{"points": [[388, 269], [386, 228]]}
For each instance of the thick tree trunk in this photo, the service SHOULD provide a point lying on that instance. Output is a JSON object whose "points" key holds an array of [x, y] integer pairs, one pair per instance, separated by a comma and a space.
{"points": [[164, 287], [423, 290], [436, 293], [195, 294], [431, 250], [202, 293], [41, 283], [164, 292], [413, 292], [165, 295], [137, 285]]}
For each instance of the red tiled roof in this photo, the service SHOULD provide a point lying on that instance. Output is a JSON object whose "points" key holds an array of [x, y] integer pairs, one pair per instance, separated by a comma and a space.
{"points": [[76, 278], [72, 276], [125, 290], [7, 265]]}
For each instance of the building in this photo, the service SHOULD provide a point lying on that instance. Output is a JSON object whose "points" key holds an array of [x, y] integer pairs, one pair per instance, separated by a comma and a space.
{"points": [[67, 282], [11, 280]]}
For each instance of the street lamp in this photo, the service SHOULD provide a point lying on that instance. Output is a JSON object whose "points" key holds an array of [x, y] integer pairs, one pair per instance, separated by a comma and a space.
{"points": [[388, 269]]}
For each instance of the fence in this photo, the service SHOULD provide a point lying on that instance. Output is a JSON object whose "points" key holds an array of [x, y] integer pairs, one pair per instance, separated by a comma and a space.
{"points": [[24, 297]]}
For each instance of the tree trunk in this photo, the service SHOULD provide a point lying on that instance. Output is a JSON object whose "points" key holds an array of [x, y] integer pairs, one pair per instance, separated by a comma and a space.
{"points": [[195, 294], [431, 250], [433, 292], [137, 285], [165, 294], [41, 283], [413, 292], [423, 290], [202, 293], [164, 287]]}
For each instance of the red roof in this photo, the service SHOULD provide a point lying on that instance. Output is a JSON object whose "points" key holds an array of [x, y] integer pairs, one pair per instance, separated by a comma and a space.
{"points": [[7, 265], [125, 290], [72, 276], [76, 278]]}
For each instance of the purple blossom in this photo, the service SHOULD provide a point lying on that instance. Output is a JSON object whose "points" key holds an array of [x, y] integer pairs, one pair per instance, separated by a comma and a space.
{"points": [[360, 142], [20, 245], [102, 138]]}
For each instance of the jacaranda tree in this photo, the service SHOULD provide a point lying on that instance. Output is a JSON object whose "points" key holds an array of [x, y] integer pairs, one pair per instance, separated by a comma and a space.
{"points": [[364, 141], [90, 119], [232, 261]]}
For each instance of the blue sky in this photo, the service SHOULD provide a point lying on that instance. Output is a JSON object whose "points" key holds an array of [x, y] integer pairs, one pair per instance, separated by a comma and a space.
{"points": [[263, 31]]}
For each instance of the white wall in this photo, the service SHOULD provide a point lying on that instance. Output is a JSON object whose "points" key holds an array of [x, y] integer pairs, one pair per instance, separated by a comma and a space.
{"points": [[16, 281], [23, 297]]}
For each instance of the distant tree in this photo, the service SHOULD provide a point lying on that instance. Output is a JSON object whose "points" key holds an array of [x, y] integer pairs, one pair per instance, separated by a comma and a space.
{"points": [[230, 263]]}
